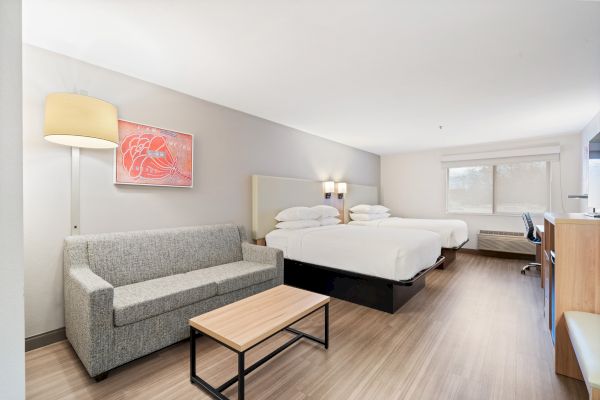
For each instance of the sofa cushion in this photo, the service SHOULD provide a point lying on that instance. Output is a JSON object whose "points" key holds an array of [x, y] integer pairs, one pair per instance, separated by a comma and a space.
{"points": [[139, 301], [584, 332], [237, 275], [130, 257]]}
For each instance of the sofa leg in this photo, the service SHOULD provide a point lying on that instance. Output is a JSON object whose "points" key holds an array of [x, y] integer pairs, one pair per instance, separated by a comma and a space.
{"points": [[101, 376]]}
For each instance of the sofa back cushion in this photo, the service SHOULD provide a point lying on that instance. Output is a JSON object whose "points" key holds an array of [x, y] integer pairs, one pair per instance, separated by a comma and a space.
{"points": [[129, 257]]}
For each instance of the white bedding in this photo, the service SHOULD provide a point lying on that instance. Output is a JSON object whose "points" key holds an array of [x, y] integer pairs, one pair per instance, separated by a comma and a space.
{"points": [[396, 254], [452, 231]]}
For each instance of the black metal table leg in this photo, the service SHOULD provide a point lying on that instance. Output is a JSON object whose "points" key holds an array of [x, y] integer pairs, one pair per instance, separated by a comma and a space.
{"points": [[327, 325], [192, 353], [241, 373]]}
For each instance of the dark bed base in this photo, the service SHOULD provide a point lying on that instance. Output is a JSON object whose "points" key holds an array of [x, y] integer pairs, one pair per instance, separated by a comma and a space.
{"points": [[450, 254], [380, 294]]}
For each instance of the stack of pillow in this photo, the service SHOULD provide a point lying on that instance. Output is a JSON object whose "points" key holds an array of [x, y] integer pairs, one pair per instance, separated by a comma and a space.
{"points": [[365, 212], [307, 217]]}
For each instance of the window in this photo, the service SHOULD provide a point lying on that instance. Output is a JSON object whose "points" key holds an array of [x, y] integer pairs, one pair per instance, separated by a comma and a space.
{"points": [[470, 190], [508, 188], [521, 187]]}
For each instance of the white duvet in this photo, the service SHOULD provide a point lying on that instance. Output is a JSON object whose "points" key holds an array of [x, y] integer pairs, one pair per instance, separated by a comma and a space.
{"points": [[453, 232], [396, 254]]}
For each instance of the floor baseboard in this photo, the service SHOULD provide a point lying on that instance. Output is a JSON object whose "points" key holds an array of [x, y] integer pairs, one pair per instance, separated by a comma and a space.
{"points": [[498, 254], [44, 339]]}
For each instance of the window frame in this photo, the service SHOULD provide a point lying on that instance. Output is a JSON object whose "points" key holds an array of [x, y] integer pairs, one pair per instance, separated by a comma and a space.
{"points": [[548, 195]]}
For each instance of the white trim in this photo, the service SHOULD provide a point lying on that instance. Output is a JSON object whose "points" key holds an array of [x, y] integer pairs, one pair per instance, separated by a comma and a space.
{"points": [[526, 152]]}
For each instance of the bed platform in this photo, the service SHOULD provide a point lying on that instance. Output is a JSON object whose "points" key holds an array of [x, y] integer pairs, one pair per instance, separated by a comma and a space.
{"points": [[450, 254], [378, 293]]}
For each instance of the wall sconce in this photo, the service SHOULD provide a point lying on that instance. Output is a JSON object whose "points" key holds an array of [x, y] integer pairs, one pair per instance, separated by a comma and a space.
{"points": [[341, 189], [328, 188]]}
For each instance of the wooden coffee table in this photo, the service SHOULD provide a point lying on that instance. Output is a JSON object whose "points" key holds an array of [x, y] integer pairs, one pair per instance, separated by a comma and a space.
{"points": [[242, 325]]}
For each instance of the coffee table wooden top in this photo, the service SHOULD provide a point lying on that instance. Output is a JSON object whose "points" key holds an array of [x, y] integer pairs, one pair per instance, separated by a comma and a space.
{"points": [[246, 322]]}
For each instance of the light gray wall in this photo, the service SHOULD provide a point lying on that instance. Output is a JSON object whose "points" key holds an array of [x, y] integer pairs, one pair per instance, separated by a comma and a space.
{"points": [[229, 147], [413, 184], [12, 348]]}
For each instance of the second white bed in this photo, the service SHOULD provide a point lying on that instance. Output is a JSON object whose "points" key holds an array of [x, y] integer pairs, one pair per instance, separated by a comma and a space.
{"points": [[453, 232], [395, 254]]}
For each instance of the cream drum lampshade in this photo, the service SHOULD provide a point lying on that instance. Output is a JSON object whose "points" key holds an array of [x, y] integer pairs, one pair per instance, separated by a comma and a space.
{"points": [[80, 121]]}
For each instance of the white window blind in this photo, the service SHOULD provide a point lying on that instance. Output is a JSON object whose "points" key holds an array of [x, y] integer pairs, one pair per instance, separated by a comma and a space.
{"points": [[521, 187], [470, 190], [500, 182]]}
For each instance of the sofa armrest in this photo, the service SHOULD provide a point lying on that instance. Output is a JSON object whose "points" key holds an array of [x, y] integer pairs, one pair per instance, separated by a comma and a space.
{"points": [[88, 317], [95, 291], [264, 255]]}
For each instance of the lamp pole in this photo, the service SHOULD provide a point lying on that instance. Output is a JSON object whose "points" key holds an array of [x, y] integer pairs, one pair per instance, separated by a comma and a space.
{"points": [[75, 199]]}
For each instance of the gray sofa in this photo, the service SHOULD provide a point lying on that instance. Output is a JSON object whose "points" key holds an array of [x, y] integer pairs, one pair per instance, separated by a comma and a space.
{"points": [[129, 294]]}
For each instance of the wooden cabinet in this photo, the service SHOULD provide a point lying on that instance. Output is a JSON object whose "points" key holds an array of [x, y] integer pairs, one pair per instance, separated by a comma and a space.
{"points": [[543, 257], [575, 280]]}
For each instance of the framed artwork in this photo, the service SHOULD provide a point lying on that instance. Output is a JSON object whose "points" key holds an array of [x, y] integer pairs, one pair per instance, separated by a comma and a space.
{"points": [[153, 156]]}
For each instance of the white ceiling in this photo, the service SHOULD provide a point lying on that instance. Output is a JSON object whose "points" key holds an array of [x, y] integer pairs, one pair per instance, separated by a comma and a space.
{"points": [[380, 75]]}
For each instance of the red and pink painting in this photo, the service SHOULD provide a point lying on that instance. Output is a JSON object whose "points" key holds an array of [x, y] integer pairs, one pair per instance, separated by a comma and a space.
{"points": [[153, 156]]}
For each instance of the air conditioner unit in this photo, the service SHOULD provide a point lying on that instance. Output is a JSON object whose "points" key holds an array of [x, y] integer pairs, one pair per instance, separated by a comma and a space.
{"points": [[508, 242]]}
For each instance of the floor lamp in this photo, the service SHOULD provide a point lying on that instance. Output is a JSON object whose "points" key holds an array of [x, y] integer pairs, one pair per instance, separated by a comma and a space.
{"points": [[79, 122]]}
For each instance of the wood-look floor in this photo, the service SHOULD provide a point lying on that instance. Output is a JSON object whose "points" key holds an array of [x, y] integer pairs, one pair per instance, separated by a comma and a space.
{"points": [[475, 332]]}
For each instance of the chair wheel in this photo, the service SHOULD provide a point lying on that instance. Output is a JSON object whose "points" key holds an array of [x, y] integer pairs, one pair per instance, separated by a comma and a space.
{"points": [[522, 272]]}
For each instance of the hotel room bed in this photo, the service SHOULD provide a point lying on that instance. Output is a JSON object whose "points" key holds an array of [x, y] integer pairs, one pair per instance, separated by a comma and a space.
{"points": [[454, 233], [377, 268], [373, 267], [395, 254]]}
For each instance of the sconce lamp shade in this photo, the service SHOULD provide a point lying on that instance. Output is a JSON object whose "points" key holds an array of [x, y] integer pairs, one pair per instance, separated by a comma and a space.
{"points": [[80, 121], [341, 189], [328, 188]]}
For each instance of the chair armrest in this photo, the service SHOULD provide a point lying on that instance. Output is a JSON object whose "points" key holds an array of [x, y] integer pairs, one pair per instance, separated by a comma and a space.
{"points": [[264, 255]]}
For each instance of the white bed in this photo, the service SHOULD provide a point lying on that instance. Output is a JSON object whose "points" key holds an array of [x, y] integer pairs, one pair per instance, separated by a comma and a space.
{"points": [[454, 233], [395, 254]]}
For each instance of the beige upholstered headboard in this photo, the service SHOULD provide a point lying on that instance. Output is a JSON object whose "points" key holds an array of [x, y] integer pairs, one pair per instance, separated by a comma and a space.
{"points": [[271, 194], [359, 194]]}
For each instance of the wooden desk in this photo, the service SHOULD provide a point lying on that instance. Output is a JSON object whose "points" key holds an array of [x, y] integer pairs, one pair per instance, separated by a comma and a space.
{"points": [[575, 239]]}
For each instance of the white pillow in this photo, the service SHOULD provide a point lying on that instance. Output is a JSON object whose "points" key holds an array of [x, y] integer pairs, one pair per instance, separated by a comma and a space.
{"points": [[301, 224], [361, 209], [367, 209], [326, 211], [379, 209], [330, 221], [368, 217], [297, 214]]}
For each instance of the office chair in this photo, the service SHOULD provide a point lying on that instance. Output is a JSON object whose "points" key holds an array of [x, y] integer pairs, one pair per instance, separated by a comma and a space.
{"points": [[530, 234]]}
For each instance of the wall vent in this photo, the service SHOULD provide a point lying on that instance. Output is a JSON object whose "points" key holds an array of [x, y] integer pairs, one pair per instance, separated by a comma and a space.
{"points": [[508, 242]]}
